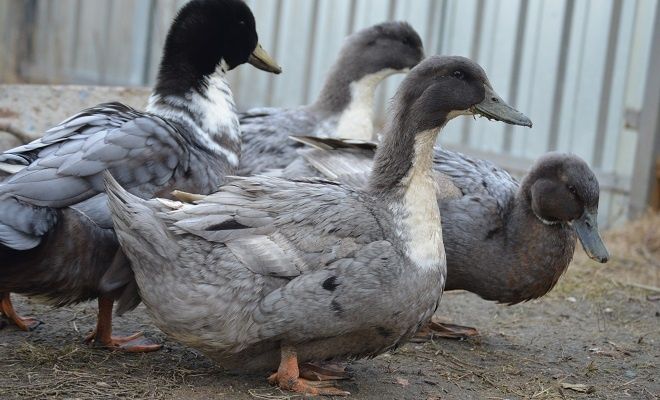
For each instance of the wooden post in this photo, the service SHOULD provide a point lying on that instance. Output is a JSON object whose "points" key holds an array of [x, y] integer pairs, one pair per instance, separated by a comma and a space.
{"points": [[645, 174]]}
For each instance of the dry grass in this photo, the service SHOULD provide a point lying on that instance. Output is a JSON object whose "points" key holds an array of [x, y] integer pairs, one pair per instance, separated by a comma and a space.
{"points": [[75, 372], [519, 357]]}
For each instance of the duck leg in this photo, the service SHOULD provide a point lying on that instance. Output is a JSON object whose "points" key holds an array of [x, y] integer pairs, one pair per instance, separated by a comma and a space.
{"points": [[7, 309], [288, 377], [101, 336], [436, 329]]}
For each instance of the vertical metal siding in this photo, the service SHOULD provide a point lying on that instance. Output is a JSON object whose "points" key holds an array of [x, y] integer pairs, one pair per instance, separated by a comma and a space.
{"points": [[576, 67]]}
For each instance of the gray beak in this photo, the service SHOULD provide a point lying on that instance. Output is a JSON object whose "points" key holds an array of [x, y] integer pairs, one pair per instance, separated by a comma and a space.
{"points": [[586, 228], [493, 107], [262, 60]]}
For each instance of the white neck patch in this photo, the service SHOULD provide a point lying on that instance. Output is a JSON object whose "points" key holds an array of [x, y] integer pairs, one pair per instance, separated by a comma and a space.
{"points": [[546, 222], [356, 122], [213, 113], [420, 223]]}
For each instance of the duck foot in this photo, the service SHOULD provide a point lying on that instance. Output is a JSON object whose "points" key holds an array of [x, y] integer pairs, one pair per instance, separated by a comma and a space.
{"points": [[102, 337], [437, 329], [7, 309], [288, 377], [324, 371]]}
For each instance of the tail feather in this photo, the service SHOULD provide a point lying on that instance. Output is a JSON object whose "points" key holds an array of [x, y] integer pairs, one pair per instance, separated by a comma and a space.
{"points": [[141, 232], [346, 161]]}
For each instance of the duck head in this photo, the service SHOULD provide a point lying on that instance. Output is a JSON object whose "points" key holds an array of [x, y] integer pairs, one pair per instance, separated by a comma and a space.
{"points": [[390, 46], [365, 59], [561, 188], [443, 87], [206, 33], [438, 89]]}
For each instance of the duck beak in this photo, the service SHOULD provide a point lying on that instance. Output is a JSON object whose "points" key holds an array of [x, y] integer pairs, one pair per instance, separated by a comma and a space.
{"points": [[493, 107], [262, 60], [586, 228]]}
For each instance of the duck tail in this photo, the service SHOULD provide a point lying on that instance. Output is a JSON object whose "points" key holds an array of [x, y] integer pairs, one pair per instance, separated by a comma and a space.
{"points": [[143, 235]]}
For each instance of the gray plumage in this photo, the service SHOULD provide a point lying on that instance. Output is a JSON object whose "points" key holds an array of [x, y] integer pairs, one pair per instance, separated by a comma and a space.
{"points": [[245, 268], [328, 269], [366, 58], [56, 236], [496, 246], [147, 153]]}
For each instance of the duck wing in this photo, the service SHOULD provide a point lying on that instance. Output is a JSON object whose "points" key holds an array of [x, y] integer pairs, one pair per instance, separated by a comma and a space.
{"points": [[479, 181], [64, 168], [283, 228], [266, 144], [458, 175]]}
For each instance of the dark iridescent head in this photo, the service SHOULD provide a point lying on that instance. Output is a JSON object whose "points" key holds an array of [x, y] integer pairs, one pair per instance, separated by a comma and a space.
{"points": [[442, 87], [561, 188], [203, 34]]}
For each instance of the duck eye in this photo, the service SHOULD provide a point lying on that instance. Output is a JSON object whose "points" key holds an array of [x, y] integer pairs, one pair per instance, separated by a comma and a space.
{"points": [[572, 189], [458, 74], [241, 22]]}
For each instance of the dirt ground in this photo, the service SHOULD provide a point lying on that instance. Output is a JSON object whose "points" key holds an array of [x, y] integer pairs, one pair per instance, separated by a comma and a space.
{"points": [[595, 336]]}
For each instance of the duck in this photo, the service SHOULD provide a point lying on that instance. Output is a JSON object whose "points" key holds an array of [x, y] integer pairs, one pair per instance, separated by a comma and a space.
{"points": [[56, 235], [506, 241], [343, 107], [270, 273]]}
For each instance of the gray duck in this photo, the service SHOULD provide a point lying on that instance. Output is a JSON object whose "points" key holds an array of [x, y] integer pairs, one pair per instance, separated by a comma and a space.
{"points": [[268, 273], [343, 107], [505, 241], [56, 236]]}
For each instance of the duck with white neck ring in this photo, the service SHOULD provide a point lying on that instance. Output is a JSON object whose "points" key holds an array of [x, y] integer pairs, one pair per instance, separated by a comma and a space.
{"points": [[344, 107], [307, 270], [56, 237]]}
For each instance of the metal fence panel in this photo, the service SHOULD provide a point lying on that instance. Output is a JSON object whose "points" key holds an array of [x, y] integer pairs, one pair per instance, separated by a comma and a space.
{"points": [[578, 68]]}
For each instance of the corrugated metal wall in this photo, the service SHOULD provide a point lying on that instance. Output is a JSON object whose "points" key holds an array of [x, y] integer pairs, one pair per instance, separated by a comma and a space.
{"points": [[576, 67]]}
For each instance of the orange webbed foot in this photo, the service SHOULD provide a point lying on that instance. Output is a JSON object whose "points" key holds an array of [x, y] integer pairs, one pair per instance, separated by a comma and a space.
{"points": [[102, 337], [288, 377], [7, 309], [135, 343]]}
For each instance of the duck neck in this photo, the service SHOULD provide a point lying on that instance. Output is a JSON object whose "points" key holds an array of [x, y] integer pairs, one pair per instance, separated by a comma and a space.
{"points": [[349, 98], [205, 106], [402, 175]]}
